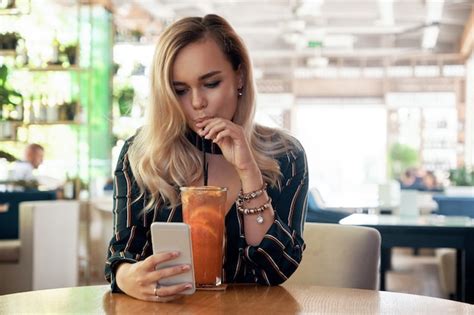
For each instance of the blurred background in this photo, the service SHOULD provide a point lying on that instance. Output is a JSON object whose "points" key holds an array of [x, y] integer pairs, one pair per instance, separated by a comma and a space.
{"points": [[379, 92]]}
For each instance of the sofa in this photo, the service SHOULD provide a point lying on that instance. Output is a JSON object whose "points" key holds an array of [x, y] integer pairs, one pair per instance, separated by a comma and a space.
{"points": [[9, 217]]}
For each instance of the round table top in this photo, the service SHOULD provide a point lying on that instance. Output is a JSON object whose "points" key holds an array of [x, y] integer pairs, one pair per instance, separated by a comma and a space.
{"points": [[245, 299]]}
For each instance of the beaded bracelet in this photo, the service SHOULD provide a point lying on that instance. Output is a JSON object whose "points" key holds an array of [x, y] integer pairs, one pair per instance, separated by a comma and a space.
{"points": [[258, 210], [253, 194]]}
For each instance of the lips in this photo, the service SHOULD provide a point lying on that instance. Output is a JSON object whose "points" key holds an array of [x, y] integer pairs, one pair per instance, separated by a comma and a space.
{"points": [[201, 119]]}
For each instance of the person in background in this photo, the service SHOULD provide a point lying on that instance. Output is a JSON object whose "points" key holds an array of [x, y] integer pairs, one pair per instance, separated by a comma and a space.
{"points": [[411, 179], [430, 182], [202, 101], [23, 170]]}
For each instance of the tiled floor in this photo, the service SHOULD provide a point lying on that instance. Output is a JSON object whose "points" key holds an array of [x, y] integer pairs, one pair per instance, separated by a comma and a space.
{"points": [[414, 274]]}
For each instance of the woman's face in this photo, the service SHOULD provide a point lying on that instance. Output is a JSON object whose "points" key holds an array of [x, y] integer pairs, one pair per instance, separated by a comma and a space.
{"points": [[205, 83]]}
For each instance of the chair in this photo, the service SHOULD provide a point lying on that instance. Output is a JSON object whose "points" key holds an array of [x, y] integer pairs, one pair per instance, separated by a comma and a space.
{"points": [[100, 233], [9, 220], [46, 255], [451, 205], [339, 256]]}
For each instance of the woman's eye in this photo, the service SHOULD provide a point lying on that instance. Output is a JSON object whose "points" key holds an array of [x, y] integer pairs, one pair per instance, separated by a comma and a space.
{"points": [[212, 84], [180, 92]]}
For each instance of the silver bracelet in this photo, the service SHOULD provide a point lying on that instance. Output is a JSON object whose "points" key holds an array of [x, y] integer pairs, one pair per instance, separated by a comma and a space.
{"points": [[257, 210], [253, 194]]}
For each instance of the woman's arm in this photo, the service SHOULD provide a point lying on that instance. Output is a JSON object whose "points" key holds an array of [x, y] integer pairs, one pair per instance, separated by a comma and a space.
{"points": [[128, 268], [279, 253], [129, 241], [275, 247]]}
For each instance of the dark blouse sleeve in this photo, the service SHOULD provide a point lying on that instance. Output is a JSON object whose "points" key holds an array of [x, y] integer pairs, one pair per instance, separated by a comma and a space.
{"points": [[278, 255], [129, 242]]}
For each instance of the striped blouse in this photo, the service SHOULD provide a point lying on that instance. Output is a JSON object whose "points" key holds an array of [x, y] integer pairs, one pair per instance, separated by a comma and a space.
{"points": [[269, 263]]}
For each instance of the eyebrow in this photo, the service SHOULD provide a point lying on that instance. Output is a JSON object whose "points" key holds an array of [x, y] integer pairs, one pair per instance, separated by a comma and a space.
{"points": [[203, 77]]}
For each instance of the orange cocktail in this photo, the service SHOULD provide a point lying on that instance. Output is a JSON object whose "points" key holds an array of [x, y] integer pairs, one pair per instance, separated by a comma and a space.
{"points": [[204, 211]]}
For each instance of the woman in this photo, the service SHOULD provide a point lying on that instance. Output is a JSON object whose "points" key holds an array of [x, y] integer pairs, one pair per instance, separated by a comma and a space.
{"points": [[202, 86]]}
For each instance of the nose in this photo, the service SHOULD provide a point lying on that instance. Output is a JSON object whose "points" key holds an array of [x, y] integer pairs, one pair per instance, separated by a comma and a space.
{"points": [[198, 100]]}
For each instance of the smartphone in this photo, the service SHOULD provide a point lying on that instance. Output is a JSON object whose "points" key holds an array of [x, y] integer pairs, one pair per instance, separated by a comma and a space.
{"points": [[167, 237]]}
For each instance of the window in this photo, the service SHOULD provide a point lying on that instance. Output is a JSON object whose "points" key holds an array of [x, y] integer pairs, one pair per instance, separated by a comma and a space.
{"points": [[345, 141]]}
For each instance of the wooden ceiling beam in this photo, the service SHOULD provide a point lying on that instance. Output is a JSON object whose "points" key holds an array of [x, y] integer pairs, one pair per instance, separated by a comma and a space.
{"points": [[467, 41]]}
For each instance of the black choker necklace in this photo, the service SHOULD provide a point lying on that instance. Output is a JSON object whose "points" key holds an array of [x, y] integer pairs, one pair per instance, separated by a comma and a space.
{"points": [[198, 142]]}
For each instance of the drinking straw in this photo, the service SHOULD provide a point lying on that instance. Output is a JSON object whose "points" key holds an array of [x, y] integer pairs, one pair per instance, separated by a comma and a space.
{"points": [[205, 165]]}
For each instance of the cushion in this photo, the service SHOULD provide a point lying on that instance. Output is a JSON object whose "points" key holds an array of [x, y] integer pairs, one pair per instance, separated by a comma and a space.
{"points": [[9, 251]]}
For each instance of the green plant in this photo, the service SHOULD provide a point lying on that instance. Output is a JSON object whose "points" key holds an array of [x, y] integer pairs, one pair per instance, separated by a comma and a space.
{"points": [[8, 96], [7, 156], [461, 176], [124, 97], [115, 68], [7, 4], [9, 40], [402, 157], [136, 34], [71, 53]]}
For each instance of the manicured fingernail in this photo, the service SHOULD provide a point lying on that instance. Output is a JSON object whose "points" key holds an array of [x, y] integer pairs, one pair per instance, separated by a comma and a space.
{"points": [[185, 267], [175, 254], [188, 286]]}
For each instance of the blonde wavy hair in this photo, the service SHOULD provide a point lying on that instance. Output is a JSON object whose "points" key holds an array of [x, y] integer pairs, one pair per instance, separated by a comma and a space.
{"points": [[161, 157]]}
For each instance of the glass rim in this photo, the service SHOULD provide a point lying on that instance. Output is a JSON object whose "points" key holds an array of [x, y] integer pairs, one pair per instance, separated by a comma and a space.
{"points": [[203, 188]]}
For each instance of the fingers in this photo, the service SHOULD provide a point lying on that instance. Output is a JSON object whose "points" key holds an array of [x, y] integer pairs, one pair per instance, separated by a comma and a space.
{"points": [[172, 290], [221, 135], [149, 264], [213, 128], [155, 276], [166, 293]]}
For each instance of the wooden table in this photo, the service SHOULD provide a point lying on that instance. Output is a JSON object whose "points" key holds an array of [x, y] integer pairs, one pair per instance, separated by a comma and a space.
{"points": [[243, 299], [430, 232]]}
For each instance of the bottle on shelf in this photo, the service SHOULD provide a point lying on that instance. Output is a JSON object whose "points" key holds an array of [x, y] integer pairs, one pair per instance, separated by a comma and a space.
{"points": [[43, 115], [27, 110], [21, 54], [52, 112], [56, 50], [69, 190], [18, 113]]}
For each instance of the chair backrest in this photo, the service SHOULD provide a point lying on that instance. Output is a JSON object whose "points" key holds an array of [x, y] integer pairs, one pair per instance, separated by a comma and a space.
{"points": [[339, 256], [10, 220], [49, 243], [315, 199]]}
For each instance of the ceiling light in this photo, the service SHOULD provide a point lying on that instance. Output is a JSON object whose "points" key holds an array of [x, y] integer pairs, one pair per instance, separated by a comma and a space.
{"points": [[430, 37], [434, 12]]}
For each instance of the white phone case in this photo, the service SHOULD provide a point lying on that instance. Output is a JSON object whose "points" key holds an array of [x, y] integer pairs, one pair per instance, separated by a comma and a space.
{"points": [[174, 237]]}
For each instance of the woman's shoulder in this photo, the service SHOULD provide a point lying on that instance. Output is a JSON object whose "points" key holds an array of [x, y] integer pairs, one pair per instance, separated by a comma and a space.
{"points": [[123, 156], [126, 146], [128, 142]]}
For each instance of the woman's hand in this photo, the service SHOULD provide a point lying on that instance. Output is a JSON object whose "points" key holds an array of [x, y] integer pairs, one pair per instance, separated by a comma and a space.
{"points": [[140, 279], [231, 140]]}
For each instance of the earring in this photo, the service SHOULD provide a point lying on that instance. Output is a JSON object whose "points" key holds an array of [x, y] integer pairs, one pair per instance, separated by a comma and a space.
{"points": [[239, 92]]}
